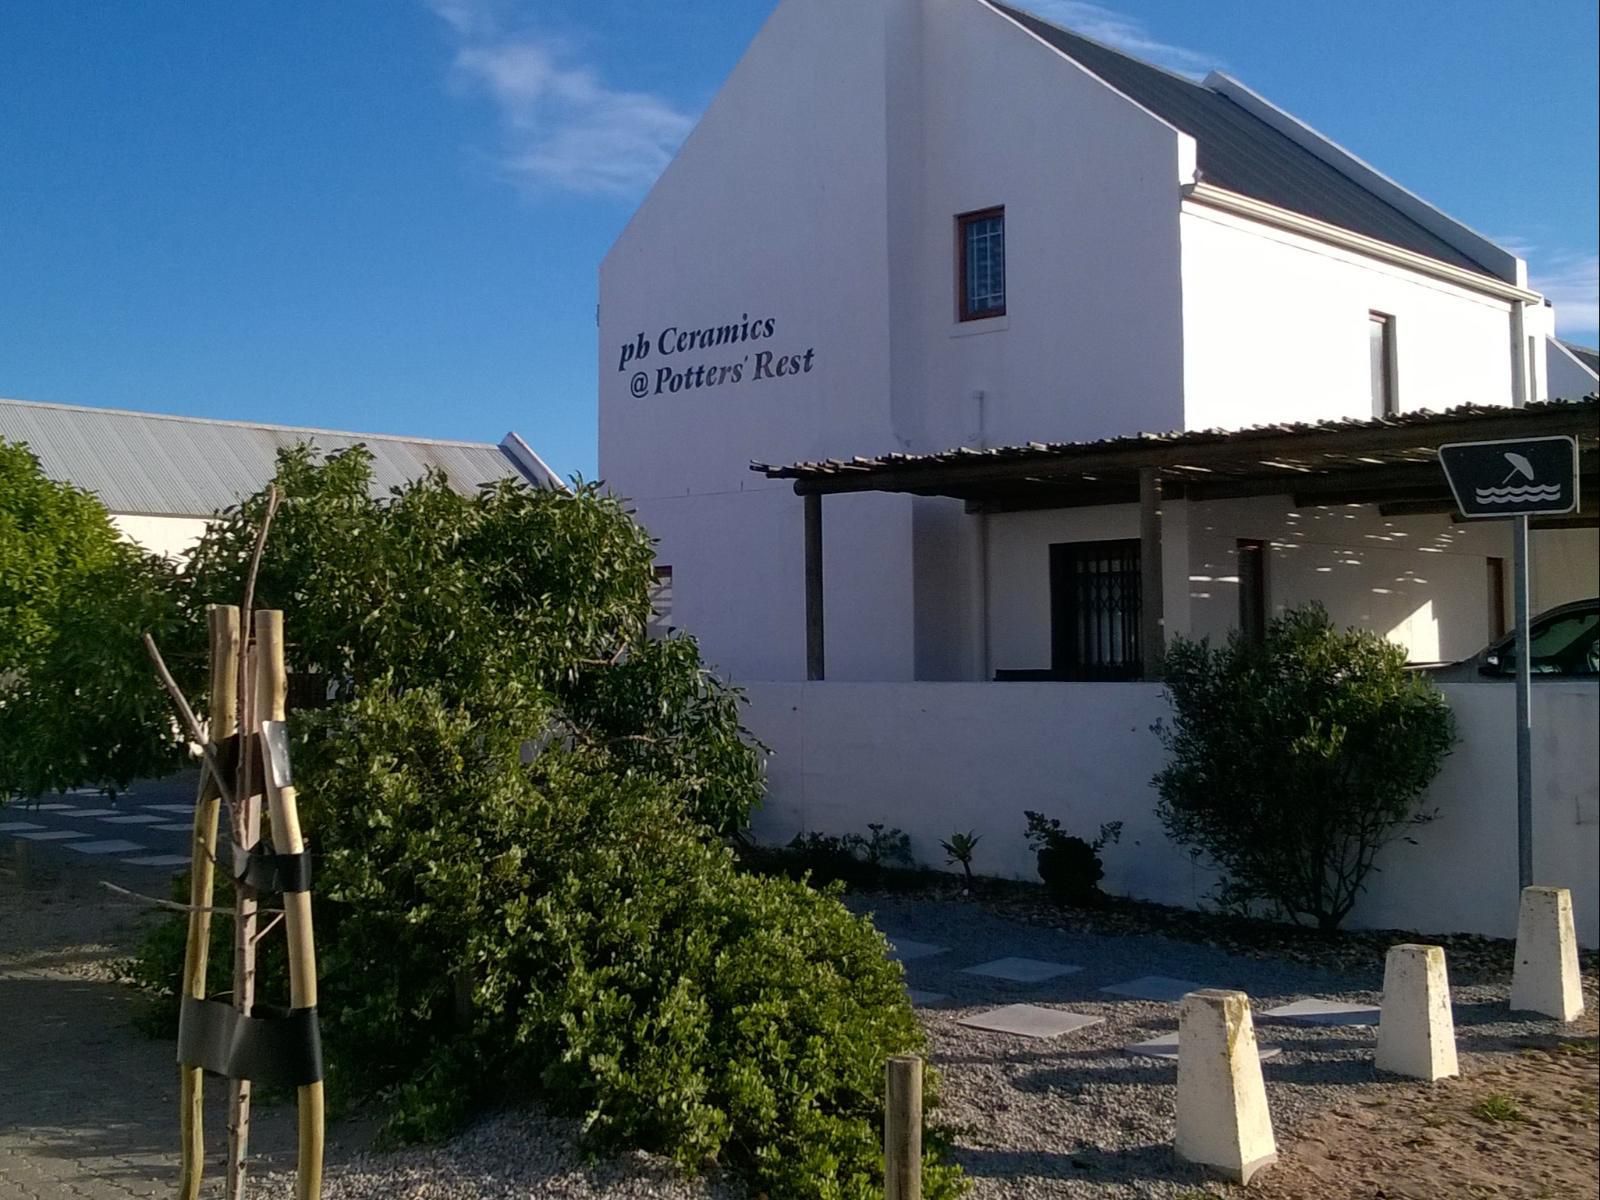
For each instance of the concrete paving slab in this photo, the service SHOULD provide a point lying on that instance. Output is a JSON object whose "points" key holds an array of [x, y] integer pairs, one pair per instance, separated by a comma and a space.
{"points": [[130, 819], [76, 813], [1022, 970], [170, 808], [905, 949], [53, 807], [52, 835], [1030, 1020], [1324, 1012], [112, 846], [176, 827], [1166, 1046], [1154, 987], [18, 826], [159, 860], [921, 999]]}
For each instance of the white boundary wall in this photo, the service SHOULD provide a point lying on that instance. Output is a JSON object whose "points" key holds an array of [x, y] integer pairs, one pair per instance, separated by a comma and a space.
{"points": [[938, 758]]}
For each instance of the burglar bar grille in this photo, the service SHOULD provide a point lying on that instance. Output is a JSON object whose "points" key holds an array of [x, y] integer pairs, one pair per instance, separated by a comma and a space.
{"points": [[1095, 605]]}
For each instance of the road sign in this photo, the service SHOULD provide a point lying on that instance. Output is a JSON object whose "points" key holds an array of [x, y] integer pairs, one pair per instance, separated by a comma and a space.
{"points": [[1517, 478]]}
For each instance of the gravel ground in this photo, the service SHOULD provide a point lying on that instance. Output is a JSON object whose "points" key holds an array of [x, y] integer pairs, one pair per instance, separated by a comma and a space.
{"points": [[513, 1156], [1075, 1116]]}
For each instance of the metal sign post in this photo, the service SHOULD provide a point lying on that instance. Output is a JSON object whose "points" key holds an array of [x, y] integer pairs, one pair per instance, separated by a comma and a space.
{"points": [[1517, 479]]}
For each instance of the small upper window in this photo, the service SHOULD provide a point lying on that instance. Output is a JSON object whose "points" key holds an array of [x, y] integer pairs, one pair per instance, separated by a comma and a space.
{"points": [[982, 241], [1380, 354]]}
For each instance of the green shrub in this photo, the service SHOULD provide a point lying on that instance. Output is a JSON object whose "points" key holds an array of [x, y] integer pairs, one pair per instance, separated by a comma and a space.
{"points": [[79, 704], [1070, 867], [613, 960], [1293, 762]]}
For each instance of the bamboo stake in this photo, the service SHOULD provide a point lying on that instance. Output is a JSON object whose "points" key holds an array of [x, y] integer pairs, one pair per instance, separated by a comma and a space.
{"points": [[223, 626], [272, 686], [247, 831]]}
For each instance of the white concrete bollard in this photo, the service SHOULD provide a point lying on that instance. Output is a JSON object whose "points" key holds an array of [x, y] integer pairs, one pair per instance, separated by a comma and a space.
{"points": [[1545, 979], [1417, 1030], [1223, 1122]]}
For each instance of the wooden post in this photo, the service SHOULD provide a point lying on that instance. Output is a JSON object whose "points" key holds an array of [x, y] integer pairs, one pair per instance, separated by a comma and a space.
{"points": [[1151, 599], [272, 689], [815, 656], [223, 623], [247, 831], [902, 1129]]}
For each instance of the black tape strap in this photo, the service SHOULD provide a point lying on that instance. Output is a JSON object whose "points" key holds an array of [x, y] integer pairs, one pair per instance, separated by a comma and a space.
{"points": [[280, 1048], [268, 871]]}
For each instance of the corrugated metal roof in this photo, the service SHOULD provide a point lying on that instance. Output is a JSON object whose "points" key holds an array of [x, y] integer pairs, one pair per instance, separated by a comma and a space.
{"points": [[152, 463], [1240, 152], [1580, 415]]}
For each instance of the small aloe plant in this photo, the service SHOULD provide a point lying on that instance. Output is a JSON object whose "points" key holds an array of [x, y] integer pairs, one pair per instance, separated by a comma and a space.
{"points": [[959, 849]]}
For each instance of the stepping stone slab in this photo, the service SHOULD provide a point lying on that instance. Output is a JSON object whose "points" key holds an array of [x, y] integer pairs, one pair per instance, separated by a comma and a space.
{"points": [[180, 809], [131, 819], [52, 808], [106, 847], [18, 827], [905, 949], [1325, 1012], [920, 999], [159, 860], [52, 835], [1154, 987], [1029, 1020], [1166, 1046], [94, 812], [1021, 970], [175, 828]]}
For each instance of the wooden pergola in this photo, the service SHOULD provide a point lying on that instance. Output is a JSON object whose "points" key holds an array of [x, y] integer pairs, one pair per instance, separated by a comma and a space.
{"points": [[1390, 462]]}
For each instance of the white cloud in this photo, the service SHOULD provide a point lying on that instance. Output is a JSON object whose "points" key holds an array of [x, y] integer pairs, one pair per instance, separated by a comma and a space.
{"points": [[1121, 32], [562, 126], [1571, 282]]}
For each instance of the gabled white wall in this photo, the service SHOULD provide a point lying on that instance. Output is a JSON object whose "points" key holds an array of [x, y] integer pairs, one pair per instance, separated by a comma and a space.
{"points": [[1570, 378], [1275, 329]]}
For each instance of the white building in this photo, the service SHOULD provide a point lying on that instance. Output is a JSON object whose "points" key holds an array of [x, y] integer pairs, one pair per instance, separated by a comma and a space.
{"points": [[1177, 256], [904, 226], [163, 477]]}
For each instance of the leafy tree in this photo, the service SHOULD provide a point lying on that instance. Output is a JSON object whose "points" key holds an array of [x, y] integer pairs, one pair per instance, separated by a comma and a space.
{"points": [[514, 799], [1293, 762], [78, 703]]}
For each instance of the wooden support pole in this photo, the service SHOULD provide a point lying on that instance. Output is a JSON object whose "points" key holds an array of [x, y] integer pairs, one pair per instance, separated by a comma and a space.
{"points": [[1151, 597], [902, 1129], [223, 623], [816, 666], [247, 832], [272, 690]]}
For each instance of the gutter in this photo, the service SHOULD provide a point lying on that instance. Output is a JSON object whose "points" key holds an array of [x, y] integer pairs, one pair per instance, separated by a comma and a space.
{"points": [[1210, 196]]}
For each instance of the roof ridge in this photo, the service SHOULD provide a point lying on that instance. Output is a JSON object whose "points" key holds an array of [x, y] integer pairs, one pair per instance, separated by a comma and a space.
{"points": [[1013, 11], [236, 424]]}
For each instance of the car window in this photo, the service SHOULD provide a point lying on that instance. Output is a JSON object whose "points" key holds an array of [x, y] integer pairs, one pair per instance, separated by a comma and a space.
{"points": [[1567, 645]]}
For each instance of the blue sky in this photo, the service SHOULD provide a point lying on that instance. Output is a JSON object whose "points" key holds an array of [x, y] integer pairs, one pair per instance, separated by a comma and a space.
{"points": [[386, 215]]}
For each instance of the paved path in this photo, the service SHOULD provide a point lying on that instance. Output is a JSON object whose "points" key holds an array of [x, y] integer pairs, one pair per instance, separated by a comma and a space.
{"points": [[146, 827]]}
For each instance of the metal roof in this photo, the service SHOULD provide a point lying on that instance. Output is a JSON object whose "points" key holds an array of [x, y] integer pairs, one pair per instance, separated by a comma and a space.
{"points": [[155, 464], [1215, 460], [1589, 358], [1238, 151]]}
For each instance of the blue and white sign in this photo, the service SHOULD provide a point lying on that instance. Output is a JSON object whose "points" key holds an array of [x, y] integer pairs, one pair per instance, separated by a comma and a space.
{"points": [[1517, 478]]}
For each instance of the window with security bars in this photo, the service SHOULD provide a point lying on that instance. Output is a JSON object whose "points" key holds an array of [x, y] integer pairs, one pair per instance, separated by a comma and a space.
{"points": [[981, 237], [1094, 607]]}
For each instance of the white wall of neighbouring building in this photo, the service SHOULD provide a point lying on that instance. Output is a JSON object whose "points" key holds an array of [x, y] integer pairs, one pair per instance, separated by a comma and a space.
{"points": [[169, 536], [939, 758]]}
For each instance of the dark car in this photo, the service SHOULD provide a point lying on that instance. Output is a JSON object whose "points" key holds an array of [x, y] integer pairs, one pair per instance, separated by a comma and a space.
{"points": [[1566, 645]]}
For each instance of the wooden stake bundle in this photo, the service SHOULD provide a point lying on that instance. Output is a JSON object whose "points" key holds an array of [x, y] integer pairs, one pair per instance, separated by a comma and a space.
{"points": [[267, 680]]}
